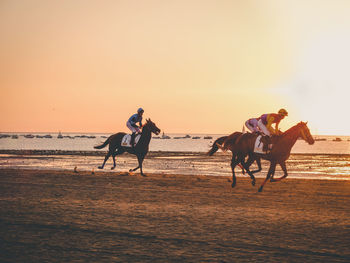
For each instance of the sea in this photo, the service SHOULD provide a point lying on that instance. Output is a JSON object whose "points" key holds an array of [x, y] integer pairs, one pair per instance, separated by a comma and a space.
{"points": [[328, 158]]}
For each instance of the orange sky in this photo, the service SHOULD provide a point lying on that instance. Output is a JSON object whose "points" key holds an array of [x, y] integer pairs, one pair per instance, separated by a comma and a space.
{"points": [[194, 66]]}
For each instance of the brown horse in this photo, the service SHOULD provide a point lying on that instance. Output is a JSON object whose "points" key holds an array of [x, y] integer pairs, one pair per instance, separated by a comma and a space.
{"points": [[140, 150], [242, 145], [228, 143]]}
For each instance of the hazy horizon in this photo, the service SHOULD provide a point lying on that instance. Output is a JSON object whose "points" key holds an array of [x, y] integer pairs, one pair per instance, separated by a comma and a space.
{"points": [[125, 130]]}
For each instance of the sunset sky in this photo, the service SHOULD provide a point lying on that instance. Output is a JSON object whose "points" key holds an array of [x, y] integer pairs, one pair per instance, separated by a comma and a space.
{"points": [[195, 66]]}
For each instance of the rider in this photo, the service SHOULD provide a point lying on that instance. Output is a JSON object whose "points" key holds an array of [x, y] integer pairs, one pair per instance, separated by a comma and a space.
{"points": [[131, 124], [266, 120]]}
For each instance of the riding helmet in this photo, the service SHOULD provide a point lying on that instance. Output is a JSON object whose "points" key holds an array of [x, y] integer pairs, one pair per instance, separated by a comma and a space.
{"points": [[283, 112]]}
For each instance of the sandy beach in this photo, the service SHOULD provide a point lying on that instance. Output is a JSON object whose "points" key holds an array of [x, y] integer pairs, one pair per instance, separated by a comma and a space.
{"points": [[62, 216]]}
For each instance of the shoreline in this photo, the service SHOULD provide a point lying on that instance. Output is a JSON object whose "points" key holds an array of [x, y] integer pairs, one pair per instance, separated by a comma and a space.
{"points": [[329, 167], [150, 153]]}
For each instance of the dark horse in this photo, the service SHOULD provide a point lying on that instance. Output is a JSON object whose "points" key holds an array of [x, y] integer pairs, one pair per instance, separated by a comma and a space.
{"points": [[140, 150], [229, 143], [242, 145]]}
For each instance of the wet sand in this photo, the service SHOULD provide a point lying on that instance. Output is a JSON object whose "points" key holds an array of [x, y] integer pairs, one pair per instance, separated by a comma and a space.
{"points": [[62, 216]]}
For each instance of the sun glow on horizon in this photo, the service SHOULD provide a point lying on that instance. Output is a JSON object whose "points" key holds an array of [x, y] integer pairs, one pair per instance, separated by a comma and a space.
{"points": [[194, 66]]}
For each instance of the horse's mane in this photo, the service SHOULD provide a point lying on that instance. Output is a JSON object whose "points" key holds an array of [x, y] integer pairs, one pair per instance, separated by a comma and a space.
{"points": [[148, 122], [292, 129]]}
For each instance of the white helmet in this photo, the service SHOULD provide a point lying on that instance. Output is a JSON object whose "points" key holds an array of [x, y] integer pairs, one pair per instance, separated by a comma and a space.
{"points": [[140, 110]]}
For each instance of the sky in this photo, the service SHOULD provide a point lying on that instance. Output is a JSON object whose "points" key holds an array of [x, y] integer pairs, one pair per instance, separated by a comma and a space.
{"points": [[195, 66]]}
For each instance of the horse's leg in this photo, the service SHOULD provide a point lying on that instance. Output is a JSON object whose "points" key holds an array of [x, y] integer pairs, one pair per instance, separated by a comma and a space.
{"points": [[234, 162], [284, 168], [246, 167], [120, 151], [105, 160], [269, 173], [258, 162], [133, 170], [240, 166], [140, 158]]}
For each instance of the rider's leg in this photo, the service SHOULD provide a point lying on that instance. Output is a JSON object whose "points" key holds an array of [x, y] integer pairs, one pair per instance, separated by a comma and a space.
{"points": [[249, 126], [133, 132], [132, 141], [265, 139], [263, 128]]}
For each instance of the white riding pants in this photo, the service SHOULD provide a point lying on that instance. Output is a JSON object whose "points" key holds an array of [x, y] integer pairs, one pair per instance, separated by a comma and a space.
{"points": [[133, 129], [252, 125], [263, 128]]}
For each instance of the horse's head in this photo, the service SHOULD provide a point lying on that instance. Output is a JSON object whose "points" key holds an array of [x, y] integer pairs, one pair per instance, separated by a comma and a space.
{"points": [[305, 133], [151, 126]]}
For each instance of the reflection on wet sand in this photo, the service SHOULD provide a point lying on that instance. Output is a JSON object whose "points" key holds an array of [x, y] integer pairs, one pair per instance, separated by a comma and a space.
{"points": [[299, 165]]}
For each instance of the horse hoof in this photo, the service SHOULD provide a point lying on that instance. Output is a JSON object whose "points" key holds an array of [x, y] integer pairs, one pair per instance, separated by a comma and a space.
{"points": [[260, 189], [130, 171], [233, 185], [112, 168], [144, 175], [100, 167], [253, 183]]}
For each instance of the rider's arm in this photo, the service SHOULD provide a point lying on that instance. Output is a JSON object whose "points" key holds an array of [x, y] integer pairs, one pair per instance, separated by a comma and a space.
{"points": [[276, 128], [270, 120], [132, 121]]}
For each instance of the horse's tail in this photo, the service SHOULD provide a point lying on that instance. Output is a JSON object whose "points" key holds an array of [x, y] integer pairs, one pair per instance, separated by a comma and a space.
{"points": [[215, 146], [103, 144]]}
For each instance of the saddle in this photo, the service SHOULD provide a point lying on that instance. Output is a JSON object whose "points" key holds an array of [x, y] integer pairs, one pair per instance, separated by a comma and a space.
{"points": [[264, 143], [127, 139]]}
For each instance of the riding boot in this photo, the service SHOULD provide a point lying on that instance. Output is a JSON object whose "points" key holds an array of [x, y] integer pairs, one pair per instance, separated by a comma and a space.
{"points": [[132, 141], [266, 140]]}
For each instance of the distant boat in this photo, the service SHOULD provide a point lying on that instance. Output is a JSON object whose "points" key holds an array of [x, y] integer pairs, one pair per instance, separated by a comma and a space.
{"points": [[337, 139], [208, 137], [165, 136], [59, 136], [320, 139], [14, 136], [182, 137], [29, 136], [196, 137], [47, 136]]}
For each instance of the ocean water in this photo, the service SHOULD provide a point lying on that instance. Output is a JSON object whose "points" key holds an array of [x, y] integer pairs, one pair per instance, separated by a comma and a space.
{"points": [[75, 143], [327, 159]]}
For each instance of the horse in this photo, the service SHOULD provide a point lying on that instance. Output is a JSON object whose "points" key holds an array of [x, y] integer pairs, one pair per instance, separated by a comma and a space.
{"points": [[140, 150], [229, 142], [243, 145]]}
